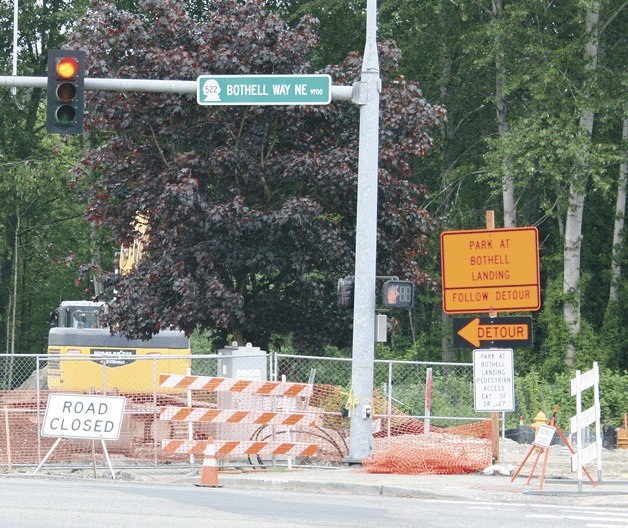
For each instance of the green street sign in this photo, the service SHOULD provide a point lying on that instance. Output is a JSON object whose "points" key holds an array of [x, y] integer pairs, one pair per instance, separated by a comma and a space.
{"points": [[263, 90]]}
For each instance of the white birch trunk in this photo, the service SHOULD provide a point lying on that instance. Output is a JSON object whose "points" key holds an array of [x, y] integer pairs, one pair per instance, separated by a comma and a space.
{"points": [[508, 184], [447, 352], [575, 210], [620, 214]]}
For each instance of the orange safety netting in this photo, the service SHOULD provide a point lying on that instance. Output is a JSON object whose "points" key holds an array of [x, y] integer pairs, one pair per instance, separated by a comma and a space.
{"points": [[402, 444], [405, 445], [411, 450]]}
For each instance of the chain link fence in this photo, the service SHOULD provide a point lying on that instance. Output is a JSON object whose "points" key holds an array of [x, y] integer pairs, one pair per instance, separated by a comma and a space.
{"points": [[436, 393], [440, 391]]}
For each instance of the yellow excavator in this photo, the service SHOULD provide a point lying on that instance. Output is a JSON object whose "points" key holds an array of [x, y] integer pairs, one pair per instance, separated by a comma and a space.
{"points": [[84, 355]]}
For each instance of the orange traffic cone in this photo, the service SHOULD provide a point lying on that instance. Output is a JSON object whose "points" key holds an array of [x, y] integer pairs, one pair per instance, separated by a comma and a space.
{"points": [[209, 472]]}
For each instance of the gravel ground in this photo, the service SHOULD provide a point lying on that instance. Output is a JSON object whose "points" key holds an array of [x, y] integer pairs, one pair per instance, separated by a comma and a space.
{"points": [[614, 462]]}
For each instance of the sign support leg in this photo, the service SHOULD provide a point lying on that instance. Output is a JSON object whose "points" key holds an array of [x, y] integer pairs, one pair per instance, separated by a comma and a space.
{"points": [[104, 448], [536, 461], [7, 431], [516, 473], [543, 471], [54, 446]]}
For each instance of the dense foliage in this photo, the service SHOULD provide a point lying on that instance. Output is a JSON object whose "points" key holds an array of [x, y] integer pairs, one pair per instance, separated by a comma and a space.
{"points": [[251, 210]]}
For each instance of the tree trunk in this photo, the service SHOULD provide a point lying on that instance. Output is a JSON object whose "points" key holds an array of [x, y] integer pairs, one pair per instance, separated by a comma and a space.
{"points": [[620, 214], [501, 107], [575, 210], [445, 82]]}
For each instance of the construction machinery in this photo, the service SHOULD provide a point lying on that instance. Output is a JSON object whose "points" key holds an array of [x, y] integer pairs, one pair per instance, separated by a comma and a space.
{"points": [[85, 355]]}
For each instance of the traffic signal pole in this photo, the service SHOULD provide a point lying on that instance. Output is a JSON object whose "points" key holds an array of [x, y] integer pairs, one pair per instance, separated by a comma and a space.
{"points": [[338, 93], [368, 92]]}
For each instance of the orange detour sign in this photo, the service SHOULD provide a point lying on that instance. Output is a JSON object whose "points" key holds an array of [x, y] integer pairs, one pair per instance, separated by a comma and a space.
{"points": [[496, 332], [490, 270]]}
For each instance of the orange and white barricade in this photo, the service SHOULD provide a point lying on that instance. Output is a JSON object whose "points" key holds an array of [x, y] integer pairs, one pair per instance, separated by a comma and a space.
{"points": [[204, 415], [208, 383], [239, 449]]}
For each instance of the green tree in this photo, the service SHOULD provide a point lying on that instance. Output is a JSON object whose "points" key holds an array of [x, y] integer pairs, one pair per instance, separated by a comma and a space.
{"points": [[251, 210], [40, 218]]}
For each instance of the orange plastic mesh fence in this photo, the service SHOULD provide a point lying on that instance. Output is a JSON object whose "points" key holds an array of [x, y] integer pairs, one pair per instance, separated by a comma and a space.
{"points": [[404, 445], [401, 442], [22, 415], [412, 449]]}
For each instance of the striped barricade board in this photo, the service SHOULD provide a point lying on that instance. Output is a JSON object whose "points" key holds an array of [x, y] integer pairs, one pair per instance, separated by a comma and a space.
{"points": [[238, 449], [201, 414], [208, 383]]}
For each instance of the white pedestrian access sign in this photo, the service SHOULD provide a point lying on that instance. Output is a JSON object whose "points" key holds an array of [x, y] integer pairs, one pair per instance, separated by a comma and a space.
{"points": [[494, 380]]}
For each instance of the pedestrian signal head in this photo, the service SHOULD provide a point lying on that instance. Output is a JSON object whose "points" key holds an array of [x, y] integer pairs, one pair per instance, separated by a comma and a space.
{"points": [[398, 294]]}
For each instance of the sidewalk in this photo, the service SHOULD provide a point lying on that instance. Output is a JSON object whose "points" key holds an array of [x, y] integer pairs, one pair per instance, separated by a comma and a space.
{"points": [[472, 487]]}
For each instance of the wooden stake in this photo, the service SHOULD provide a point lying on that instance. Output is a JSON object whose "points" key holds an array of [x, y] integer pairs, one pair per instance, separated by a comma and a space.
{"points": [[7, 430], [94, 458]]}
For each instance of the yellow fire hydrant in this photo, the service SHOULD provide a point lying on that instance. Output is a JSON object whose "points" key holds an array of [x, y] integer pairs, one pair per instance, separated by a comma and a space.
{"points": [[539, 420]]}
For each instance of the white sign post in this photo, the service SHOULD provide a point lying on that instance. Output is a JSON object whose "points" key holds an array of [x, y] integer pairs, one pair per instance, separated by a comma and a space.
{"points": [[494, 380], [84, 417]]}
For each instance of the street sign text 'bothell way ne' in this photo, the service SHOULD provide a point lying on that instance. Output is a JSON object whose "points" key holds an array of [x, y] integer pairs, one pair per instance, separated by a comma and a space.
{"points": [[263, 90]]}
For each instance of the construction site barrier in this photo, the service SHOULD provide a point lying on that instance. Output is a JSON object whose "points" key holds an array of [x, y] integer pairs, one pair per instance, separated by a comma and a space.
{"points": [[261, 392], [191, 414], [279, 412], [239, 449], [263, 388]]}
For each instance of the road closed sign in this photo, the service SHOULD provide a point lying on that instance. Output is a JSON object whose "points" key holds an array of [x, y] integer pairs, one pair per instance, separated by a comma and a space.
{"points": [[494, 380], [84, 416], [488, 270]]}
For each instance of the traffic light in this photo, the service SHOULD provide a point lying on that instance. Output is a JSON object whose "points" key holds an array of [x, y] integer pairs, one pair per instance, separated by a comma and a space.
{"points": [[345, 292], [65, 94], [398, 294]]}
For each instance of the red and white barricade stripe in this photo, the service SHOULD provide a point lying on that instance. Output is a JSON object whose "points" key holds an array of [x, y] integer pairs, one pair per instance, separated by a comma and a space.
{"points": [[192, 414], [238, 449], [207, 383]]}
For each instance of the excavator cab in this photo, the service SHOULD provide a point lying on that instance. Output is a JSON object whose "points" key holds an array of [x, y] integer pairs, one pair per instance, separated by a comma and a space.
{"points": [[77, 314]]}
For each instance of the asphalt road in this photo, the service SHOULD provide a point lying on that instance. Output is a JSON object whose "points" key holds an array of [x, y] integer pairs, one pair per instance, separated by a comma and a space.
{"points": [[55, 503]]}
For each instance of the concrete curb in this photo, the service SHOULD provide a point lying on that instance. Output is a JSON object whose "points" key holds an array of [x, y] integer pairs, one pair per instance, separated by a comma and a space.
{"points": [[308, 486]]}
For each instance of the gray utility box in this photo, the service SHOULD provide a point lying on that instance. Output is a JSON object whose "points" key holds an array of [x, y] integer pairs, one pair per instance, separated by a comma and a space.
{"points": [[243, 362]]}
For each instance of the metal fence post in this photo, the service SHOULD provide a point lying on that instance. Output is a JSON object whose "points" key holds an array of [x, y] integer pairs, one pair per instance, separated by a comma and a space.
{"points": [[38, 396], [390, 389]]}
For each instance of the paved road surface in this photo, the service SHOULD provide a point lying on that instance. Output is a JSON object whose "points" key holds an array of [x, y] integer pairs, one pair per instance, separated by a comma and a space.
{"points": [[30, 502]]}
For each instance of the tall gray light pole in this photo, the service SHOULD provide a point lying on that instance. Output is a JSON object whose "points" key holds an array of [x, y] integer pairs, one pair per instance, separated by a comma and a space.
{"points": [[368, 91]]}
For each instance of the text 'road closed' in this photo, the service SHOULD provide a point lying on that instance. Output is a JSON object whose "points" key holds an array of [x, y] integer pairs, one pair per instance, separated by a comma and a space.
{"points": [[81, 416]]}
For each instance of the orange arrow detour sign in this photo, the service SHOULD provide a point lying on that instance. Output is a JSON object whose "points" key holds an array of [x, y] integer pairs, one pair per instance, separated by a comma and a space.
{"points": [[509, 332]]}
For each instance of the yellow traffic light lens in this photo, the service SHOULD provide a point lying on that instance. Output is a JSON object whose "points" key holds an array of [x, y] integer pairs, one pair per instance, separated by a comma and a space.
{"points": [[67, 68]]}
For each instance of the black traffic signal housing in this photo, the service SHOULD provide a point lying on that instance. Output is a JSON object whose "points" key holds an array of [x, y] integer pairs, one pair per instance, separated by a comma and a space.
{"points": [[398, 294], [345, 292], [66, 91]]}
